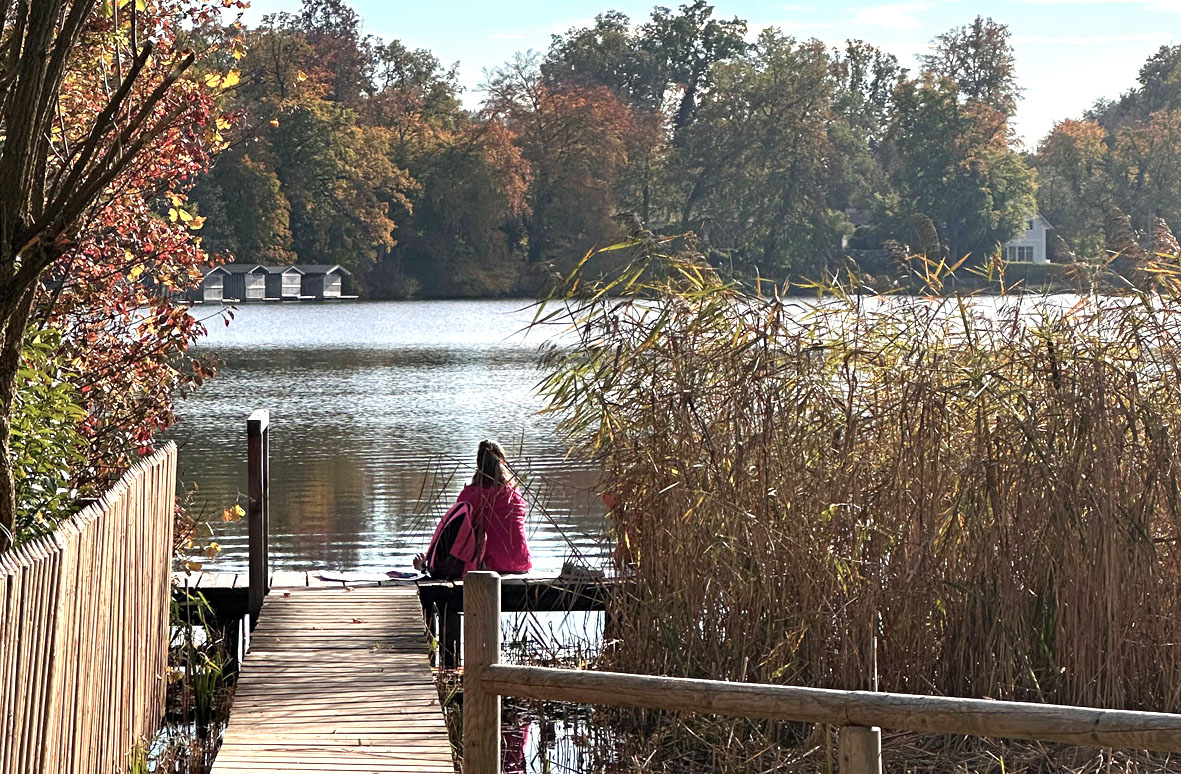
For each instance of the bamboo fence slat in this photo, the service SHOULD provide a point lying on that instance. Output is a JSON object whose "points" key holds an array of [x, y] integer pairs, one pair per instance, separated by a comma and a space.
{"points": [[84, 630]]}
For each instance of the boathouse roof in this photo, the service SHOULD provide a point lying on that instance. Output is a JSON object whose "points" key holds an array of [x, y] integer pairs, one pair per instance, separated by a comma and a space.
{"points": [[323, 268]]}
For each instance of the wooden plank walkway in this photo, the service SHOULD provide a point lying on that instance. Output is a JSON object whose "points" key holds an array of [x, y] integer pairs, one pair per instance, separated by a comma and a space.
{"points": [[282, 579], [337, 680]]}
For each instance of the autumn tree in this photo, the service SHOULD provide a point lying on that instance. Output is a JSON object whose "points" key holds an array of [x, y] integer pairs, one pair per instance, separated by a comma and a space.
{"points": [[1160, 81], [75, 124], [608, 53], [951, 157], [461, 239], [416, 98], [661, 69], [978, 57], [759, 158], [575, 141], [314, 163], [341, 53], [1071, 185], [247, 214], [1158, 87], [1144, 168], [866, 78], [687, 45]]}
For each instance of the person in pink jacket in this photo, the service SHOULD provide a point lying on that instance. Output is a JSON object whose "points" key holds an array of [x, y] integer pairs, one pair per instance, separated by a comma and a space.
{"points": [[494, 538], [498, 513]]}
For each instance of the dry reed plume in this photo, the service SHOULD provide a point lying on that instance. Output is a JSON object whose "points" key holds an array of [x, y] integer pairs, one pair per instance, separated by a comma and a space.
{"points": [[968, 497]]}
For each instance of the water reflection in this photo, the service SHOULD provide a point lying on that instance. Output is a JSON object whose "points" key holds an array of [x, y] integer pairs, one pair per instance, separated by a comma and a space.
{"points": [[376, 412]]}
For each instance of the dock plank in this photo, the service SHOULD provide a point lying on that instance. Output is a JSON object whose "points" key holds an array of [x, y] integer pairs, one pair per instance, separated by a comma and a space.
{"points": [[337, 680]]}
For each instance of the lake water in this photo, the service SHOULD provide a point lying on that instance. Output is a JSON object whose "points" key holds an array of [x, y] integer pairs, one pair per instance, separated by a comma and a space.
{"points": [[376, 412]]}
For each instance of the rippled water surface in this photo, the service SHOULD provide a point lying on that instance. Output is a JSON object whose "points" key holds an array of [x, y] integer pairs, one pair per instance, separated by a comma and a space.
{"points": [[376, 411]]}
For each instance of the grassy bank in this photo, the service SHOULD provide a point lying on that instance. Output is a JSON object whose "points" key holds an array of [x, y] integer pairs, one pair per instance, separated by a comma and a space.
{"points": [[959, 497]]}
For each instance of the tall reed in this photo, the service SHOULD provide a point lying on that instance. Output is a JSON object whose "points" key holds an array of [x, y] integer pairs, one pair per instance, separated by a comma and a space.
{"points": [[969, 497]]}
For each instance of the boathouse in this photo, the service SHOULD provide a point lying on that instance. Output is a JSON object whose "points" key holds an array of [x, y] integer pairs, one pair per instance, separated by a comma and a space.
{"points": [[322, 281], [239, 282], [284, 283], [245, 282], [212, 287]]}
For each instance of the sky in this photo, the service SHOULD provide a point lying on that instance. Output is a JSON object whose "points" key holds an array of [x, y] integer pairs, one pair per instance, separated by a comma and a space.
{"points": [[1069, 52]]}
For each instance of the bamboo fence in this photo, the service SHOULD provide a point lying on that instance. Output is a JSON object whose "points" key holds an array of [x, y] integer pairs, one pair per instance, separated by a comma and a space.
{"points": [[84, 630]]}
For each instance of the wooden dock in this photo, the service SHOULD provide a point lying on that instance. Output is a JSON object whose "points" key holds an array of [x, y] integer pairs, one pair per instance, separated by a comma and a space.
{"points": [[283, 579], [337, 679]]}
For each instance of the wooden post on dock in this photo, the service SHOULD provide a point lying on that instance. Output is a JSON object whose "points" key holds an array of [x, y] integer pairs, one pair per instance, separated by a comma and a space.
{"points": [[481, 648], [258, 474], [860, 750]]}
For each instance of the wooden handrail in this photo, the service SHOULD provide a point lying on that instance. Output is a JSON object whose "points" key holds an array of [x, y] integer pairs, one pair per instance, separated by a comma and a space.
{"points": [[258, 489], [858, 714], [904, 712]]}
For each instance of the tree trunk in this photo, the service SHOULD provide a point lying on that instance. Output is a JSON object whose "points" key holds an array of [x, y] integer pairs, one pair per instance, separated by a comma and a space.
{"points": [[11, 339]]}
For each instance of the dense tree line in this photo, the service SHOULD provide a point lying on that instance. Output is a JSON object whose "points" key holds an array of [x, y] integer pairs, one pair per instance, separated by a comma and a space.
{"points": [[358, 151], [1122, 157]]}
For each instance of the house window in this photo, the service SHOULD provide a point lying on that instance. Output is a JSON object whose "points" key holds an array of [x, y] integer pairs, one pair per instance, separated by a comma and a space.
{"points": [[1029, 225], [1019, 253]]}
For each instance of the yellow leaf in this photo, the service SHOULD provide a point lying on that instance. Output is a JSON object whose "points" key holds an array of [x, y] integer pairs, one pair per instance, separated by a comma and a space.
{"points": [[197, 223], [231, 79], [213, 80], [193, 566], [274, 122], [233, 513], [185, 215], [133, 275], [223, 122], [173, 214], [213, 549], [301, 76]]}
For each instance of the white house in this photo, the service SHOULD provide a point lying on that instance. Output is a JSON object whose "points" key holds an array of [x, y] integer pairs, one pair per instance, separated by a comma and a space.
{"points": [[1030, 246]]}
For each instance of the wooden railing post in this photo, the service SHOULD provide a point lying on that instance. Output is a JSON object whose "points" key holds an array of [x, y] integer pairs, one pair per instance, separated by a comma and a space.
{"points": [[860, 750], [481, 648], [258, 474]]}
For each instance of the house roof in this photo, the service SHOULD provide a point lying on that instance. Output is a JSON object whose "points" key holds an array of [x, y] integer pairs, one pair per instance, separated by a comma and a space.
{"points": [[243, 268], [323, 268], [213, 270], [283, 269]]}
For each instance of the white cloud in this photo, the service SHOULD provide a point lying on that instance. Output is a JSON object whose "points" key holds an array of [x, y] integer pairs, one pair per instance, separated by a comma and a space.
{"points": [[895, 16], [506, 36]]}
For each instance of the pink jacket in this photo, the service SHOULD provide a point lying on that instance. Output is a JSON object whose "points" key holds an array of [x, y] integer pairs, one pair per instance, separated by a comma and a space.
{"points": [[501, 512]]}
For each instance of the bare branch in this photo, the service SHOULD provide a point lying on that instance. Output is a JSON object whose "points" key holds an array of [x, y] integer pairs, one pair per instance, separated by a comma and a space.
{"points": [[102, 125], [36, 257]]}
